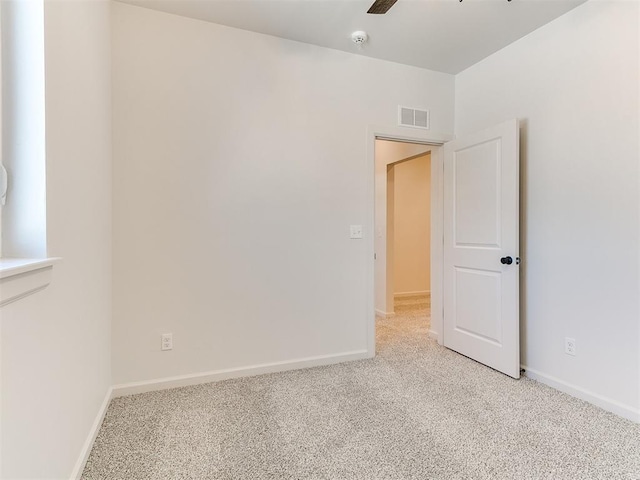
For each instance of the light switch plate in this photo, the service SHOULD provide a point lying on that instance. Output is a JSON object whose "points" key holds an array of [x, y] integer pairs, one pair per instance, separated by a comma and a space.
{"points": [[356, 231]]}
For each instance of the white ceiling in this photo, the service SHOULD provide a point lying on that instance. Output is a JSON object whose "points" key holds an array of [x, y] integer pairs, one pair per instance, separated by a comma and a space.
{"points": [[443, 35]]}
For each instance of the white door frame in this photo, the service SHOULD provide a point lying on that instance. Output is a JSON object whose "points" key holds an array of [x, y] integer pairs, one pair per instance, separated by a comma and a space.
{"points": [[437, 227]]}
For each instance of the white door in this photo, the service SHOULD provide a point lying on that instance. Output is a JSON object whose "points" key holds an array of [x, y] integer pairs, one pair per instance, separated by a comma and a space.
{"points": [[481, 244]]}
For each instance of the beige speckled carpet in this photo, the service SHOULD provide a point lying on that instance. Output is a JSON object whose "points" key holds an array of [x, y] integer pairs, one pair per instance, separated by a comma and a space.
{"points": [[416, 411]]}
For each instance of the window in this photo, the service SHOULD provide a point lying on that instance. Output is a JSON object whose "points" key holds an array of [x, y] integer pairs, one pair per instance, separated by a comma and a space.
{"points": [[24, 267]]}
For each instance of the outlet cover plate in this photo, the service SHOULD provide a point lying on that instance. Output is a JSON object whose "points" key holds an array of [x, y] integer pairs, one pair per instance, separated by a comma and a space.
{"points": [[167, 341], [570, 346]]}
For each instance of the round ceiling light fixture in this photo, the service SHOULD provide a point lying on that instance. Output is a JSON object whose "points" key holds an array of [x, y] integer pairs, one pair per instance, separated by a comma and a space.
{"points": [[359, 38]]}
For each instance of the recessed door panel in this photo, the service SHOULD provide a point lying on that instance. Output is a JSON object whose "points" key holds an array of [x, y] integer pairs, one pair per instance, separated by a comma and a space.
{"points": [[477, 195], [477, 301]]}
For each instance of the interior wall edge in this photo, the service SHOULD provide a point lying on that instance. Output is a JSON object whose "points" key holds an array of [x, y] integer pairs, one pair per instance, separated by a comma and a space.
{"points": [[626, 411], [91, 436]]}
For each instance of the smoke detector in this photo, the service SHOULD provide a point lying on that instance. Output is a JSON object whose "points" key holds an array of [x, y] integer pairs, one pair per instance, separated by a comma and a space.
{"points": [[359, 38]]}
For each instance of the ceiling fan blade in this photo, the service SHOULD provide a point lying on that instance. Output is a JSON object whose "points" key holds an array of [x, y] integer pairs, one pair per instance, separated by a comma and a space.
{"points": [[381, 6]]}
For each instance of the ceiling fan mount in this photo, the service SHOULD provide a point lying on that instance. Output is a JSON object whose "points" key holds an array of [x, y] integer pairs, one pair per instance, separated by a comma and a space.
{"points": [[382, 6]]}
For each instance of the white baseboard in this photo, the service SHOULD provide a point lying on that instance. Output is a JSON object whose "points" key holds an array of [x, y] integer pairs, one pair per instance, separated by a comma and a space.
{"points": [[380, 313], [605, 403], [433, 334], [412, 294], [93, 433], [217, 375]]}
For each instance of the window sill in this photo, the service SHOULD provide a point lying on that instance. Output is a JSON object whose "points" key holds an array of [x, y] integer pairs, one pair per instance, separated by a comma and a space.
{"points": [[21, 277]]}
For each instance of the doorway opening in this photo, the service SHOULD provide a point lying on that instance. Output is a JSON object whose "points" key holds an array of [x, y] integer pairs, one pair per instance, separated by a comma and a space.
{"points": [[408, 216], [407, 259], [474, 243], [408, 223]]}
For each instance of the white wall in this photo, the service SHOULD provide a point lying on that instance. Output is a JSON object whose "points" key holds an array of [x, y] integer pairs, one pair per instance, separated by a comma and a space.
{"points": [[55, 344], [412, 225], [240, 160], [574, 84]]}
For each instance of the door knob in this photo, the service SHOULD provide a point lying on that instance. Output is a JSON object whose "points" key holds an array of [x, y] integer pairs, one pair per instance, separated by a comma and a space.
{"points": [[506, 260]]}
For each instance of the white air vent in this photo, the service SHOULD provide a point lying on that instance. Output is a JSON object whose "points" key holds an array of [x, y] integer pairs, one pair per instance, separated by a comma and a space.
{"points": [[413, 117]]}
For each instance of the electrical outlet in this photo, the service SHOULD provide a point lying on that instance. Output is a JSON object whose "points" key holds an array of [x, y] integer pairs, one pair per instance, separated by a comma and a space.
{"points": [[570, 346], [167, 341]]}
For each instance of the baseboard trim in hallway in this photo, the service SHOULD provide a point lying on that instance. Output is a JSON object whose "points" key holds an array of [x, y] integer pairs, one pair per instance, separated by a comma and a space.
{"points": [[417, 293], [605, 403], [249, 371], [91, 438]]}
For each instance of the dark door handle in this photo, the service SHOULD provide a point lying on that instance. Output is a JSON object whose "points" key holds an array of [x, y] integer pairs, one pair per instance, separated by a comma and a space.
{"points": [[506, 260]]}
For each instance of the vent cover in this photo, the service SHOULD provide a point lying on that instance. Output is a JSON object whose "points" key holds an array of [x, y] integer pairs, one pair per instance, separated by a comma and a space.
{"points": [[413, 117]]}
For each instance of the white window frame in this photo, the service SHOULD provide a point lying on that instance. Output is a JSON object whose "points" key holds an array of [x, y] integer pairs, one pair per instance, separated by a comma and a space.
{"points": [[21, 277]]}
